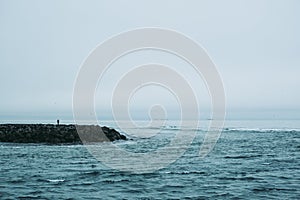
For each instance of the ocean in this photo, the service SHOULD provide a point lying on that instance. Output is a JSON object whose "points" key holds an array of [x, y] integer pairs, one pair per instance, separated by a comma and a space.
{"points": [[253, 159]]}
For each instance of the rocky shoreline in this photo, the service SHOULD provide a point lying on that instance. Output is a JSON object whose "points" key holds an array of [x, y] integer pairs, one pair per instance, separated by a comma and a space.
{"points": [[56, 134]]}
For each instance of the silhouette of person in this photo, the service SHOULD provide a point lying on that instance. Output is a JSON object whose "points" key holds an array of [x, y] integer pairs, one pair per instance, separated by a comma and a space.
{"points": [[57, 122]]}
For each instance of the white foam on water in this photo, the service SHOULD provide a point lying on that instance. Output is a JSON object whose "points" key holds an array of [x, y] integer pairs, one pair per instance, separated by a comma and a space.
{"points": [[55, 180]]}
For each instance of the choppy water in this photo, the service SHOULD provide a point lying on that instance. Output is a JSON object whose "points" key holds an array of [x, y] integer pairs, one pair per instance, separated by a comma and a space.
{"points": [[246, 163]]}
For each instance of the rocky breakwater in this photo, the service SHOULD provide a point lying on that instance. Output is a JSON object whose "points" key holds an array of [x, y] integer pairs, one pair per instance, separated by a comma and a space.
{"points": [[56, 134]]}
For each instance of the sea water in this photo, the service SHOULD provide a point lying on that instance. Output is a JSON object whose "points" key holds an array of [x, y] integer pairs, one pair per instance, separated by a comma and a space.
{"points": [[251, 160]]}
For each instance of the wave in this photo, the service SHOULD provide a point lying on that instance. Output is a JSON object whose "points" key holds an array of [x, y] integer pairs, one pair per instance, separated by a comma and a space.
{"points": [[110, 181], [242, 156], [56, 180], [186, 172], [262, 130], [246, 178], [268, 189]]}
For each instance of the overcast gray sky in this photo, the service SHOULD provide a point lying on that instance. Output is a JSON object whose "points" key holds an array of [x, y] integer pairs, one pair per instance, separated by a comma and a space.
{"points": [[255, 45]]}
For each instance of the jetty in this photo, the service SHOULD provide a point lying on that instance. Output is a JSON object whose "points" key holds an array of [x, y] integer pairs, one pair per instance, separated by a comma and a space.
{"points": [[57, 134]]}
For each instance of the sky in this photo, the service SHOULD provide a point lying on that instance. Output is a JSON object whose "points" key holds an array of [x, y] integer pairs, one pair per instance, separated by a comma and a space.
{"points": [[254, 44]]}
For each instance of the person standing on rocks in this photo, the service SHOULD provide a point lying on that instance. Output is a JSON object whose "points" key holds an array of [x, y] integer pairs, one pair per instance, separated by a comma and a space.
{"points": [[57, 122]]}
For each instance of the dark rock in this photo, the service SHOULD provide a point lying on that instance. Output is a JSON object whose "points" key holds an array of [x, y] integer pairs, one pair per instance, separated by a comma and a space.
{"points": [[56, 134]]}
